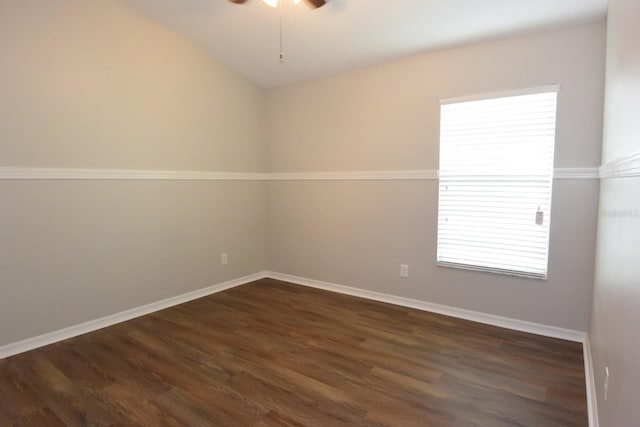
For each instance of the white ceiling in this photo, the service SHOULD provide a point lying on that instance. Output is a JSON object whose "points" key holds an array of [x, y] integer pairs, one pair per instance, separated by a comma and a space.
{"points": [[346, 34]]}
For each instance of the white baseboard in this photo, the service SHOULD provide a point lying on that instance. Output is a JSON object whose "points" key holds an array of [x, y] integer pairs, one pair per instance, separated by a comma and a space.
{"points": [[592, 400], [475, 316], [94, 325]]}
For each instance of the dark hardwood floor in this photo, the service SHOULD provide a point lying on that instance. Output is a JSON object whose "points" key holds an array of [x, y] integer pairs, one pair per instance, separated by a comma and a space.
{"points": [[274, 354]]}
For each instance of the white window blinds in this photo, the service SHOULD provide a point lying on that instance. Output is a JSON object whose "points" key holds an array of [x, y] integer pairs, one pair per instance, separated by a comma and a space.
{"points": [[496, 174]]}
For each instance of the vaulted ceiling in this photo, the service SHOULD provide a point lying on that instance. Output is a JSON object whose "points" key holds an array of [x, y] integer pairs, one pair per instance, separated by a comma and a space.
{"points": [[346, 34]]}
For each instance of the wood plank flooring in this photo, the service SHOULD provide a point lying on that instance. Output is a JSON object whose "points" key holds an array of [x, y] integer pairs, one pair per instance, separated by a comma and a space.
{"points": [[271, 353]]}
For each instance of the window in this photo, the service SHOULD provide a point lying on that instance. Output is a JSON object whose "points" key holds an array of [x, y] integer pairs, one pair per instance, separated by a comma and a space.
{"points": [[496, 174]]}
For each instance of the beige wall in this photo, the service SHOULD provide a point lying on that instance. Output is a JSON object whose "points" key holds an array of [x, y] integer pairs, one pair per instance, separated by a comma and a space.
{"points": [[94, 84], [386, 118], [97, 84], [615, 340]]}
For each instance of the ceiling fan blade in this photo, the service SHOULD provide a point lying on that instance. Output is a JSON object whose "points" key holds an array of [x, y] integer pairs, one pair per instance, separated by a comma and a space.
{"points": [[317, 3], [313, 3]]}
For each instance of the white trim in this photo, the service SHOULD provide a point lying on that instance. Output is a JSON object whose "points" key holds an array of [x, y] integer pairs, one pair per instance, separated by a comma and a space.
{"points": [[502, 94], [103, 322], [124, 174], [475, 316], [576, 173], [622, 167], [28, 173], [425, 174], [592, 400]]}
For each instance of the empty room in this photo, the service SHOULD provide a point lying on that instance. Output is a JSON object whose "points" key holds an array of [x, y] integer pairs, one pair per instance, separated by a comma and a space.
{"points": [[320, 213]]}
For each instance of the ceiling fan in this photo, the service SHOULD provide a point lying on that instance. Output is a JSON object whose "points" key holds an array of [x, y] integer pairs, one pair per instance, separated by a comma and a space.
{"points": [[273, 3]]}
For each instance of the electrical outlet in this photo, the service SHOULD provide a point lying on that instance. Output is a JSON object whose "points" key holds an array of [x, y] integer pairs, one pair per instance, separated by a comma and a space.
{"points": [[606, 382], [404, 270], [224, 259]]}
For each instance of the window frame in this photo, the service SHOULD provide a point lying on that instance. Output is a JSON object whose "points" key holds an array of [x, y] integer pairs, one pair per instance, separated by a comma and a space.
{"points": [[491, 96]]}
